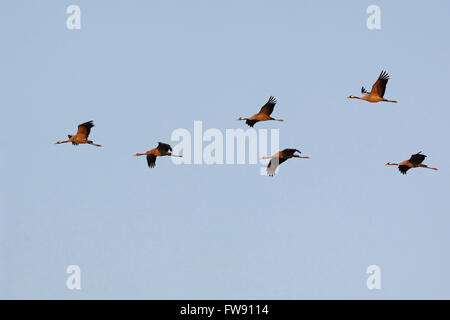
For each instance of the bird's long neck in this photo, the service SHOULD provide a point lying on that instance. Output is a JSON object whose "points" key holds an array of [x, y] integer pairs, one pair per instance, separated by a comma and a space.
{"points": [[391, 164], [66, 141]]}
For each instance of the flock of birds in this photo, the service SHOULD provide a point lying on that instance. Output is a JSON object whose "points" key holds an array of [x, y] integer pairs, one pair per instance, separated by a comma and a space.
{"points": [[164, 149]]}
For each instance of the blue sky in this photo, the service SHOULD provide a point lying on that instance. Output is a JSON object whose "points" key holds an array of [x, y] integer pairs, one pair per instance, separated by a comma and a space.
{"points": [[141, 69]]}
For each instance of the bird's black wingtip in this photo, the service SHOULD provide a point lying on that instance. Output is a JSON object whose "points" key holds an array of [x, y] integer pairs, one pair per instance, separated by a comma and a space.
{"points": [[250, 123], [88, 124], [384, 75], [272, 99], [403, 169]]}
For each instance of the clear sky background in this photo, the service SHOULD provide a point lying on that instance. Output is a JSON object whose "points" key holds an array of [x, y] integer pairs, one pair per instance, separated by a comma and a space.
{"points": [[141, 69]]}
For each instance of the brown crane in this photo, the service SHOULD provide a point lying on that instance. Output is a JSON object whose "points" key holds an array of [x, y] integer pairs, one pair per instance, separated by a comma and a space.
{"points": [[163, 149], [263, 114], [280, 157], [414, 162], [378, 89], [82, 135]]}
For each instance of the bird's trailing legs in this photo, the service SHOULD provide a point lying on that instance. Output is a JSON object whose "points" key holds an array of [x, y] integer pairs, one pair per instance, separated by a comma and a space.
{"points": [[427, 167], [175, 155], [94, 144], [297, 156]]}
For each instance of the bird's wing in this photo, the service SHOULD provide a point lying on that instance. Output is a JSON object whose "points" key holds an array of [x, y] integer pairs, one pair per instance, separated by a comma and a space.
{"points": [[151, 160], [379, 87], [163, 148], [417, 158], [364, 91], [288, 153], [85, 128], [268, 107], [273, 164], [403, 168], [251, 123]]}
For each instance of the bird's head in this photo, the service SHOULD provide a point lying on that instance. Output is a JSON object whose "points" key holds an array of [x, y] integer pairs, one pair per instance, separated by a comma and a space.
{"points": [[240, 118], [58, 142], [390, 164], [352, 97]]}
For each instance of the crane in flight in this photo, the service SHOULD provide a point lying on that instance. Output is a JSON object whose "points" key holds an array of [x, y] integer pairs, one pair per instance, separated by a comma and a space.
{"points": [[280, 157], [414, 162], [163, 149], [378, 89], [263, 114], [81, 136]]}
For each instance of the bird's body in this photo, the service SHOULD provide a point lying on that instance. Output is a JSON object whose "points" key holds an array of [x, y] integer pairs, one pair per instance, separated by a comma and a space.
{"points": [[263, 114], [414, 162], [82, 135], [163, 149], [378, 90], [280, 157]]}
